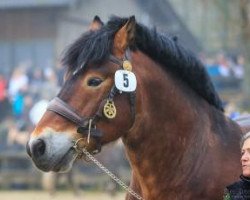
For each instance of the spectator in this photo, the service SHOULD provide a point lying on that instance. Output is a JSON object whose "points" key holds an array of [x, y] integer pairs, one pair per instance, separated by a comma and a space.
{"points": [[5, 107], [223, 64], [60, 73], [18, 85], [50, 86], [3, 84], [18, 82], [238, 68], [36, 83], [241, 189]]}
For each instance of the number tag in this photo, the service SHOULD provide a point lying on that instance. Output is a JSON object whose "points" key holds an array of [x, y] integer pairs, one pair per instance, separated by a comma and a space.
{"points": [[125, 81]]}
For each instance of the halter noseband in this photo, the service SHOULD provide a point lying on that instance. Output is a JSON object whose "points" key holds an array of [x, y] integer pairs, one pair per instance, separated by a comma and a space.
{"points": [[87, 125]]}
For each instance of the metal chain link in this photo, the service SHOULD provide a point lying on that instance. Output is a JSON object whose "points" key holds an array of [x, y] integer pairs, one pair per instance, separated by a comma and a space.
{"points": [[110, 174]]}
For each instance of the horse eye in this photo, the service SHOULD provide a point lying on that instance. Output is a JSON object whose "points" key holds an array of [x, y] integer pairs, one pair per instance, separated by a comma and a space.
{"points": [[94, 82]]}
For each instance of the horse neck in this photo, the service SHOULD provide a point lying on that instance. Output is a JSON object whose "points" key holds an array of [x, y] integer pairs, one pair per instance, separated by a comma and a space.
{"points": [[167, 124]]}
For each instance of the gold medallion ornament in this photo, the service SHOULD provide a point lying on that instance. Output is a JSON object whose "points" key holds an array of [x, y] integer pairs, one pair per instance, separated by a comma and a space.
{"points": [[127, 65], [109, 109]]}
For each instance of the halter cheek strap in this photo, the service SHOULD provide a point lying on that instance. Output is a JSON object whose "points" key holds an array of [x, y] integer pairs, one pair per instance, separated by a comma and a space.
{"points": [[132, 95]]}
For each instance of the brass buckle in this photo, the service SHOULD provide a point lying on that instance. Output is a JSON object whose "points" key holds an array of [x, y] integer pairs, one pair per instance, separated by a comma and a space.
{"points": [[127, 65]]}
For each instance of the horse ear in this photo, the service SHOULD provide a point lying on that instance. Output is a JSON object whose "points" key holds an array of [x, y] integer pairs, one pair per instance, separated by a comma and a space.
{"points": [[124, 37], [96, 24]]}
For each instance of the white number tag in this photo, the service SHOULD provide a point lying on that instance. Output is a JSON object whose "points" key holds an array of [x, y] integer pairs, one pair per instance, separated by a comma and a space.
{"points": [[125, 81]]}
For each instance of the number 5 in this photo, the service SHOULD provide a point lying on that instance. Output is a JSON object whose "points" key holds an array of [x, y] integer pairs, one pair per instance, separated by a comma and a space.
{"points": [[126, 81]]}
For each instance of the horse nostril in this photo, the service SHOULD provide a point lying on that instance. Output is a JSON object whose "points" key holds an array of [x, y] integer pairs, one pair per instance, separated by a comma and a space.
{"points": [[28, 149], [38, 148]]}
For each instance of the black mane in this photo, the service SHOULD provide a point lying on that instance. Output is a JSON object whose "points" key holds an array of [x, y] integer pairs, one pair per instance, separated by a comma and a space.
{"points": [[96, 47]]}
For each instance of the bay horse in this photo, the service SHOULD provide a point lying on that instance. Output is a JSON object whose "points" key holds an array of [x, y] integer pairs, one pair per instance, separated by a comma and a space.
{"points": [[125, 80]]}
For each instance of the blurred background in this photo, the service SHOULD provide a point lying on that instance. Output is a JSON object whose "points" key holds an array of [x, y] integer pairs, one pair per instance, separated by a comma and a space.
{"points": [[33, 35]]}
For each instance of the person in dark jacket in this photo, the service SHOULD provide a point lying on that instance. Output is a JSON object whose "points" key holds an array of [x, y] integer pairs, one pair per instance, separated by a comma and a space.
{"points": [[241, 190]]}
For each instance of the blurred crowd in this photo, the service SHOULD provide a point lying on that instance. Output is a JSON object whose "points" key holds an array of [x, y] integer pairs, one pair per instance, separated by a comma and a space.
{"points": [[227, 74], [226, 71], [23, 98], [225, 66]]}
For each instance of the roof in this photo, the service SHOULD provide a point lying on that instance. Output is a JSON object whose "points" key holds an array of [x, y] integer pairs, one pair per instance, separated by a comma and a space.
{"points": [[14, 4]]}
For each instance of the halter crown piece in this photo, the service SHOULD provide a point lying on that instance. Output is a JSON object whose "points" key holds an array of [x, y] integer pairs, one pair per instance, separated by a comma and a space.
{"points": [[109, 109]]}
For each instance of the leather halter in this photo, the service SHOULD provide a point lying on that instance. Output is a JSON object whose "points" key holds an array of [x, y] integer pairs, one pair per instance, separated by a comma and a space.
{"points": [[88, 124]]}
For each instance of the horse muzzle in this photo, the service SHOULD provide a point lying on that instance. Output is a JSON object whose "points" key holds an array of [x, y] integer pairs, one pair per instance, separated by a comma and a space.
{"points": [[48, 153]]}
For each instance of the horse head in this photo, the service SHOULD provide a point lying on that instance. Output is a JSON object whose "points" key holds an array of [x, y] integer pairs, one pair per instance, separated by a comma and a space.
{"points": [[89, 109]]}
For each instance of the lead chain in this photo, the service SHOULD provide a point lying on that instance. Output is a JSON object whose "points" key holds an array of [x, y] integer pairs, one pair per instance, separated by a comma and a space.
{"points": [[110, 174]]}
